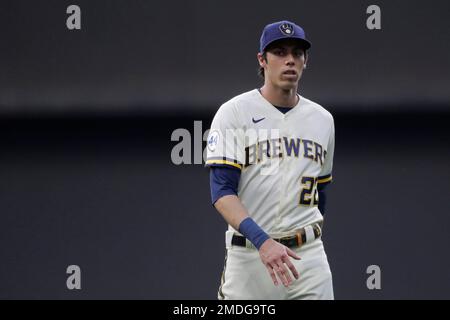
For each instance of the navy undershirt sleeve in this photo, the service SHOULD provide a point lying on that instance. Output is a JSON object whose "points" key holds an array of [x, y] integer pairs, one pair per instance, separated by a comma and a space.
{"points": [[223, 181], [322, 197]]}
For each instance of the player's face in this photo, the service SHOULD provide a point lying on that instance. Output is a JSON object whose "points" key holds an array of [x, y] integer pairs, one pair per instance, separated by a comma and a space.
{"points": [[285, 64]]}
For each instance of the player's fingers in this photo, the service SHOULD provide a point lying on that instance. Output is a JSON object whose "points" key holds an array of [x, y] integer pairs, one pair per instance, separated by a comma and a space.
{"points": [[278, 273], [272, 274], [292, 254], [291, 267], [283, 274], [280, 276], [286, 273]]}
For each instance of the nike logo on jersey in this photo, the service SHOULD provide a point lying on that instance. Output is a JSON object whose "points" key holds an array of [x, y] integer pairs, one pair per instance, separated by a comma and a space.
{"points": [[256, 121]]}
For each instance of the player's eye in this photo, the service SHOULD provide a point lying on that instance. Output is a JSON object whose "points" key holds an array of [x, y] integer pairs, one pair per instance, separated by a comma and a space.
{"points": [[298, 53], [278, 52]]}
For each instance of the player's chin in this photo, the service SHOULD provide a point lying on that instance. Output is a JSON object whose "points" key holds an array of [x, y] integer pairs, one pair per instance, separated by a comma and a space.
{"points": [[288, 84]]}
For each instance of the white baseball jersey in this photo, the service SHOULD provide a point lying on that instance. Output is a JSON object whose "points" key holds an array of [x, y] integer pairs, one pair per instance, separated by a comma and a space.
{"points": [[282, 158]]}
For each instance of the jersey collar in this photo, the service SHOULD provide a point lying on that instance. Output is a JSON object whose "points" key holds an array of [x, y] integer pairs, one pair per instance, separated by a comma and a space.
{"points": [[274, 110]]}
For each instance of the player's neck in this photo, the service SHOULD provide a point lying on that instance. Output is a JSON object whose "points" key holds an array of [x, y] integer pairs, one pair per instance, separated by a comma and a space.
{"points": [[280, 97]]}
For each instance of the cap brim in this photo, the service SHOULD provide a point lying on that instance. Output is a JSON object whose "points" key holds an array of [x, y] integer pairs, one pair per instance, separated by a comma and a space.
{"points": [[305, 43]]}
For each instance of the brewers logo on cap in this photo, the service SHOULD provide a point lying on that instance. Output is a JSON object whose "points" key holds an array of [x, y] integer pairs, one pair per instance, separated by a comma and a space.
{"points": [[287, 29]]}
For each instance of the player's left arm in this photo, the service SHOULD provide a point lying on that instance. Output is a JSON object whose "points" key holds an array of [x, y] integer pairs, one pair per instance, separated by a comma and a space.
{"points": [[326, 176]]}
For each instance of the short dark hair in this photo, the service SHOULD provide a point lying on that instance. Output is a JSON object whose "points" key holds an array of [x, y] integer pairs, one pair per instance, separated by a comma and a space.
{"points": [[261, 69]]}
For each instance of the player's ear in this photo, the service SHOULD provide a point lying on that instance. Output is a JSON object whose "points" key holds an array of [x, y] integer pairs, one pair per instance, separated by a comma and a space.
{"points": [[261, 59], [306, 60]]}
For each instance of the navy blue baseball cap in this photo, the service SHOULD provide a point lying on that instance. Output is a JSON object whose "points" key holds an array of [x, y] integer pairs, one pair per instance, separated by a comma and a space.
{"points": [[282, 30]]}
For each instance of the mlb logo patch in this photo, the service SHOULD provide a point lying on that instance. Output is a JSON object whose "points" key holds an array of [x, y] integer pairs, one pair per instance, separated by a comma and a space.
{"points": [[287, 29], [213, 140]]}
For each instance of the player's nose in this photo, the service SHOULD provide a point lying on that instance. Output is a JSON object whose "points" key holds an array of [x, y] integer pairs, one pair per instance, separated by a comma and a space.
{"points": [[290, 61]]}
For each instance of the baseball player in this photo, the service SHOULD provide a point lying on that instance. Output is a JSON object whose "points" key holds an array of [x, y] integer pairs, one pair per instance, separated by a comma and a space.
{"points": [[270, 153]]}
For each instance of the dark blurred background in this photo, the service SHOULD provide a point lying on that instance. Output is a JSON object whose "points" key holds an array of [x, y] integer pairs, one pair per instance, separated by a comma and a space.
{"points": [[86, 118]]}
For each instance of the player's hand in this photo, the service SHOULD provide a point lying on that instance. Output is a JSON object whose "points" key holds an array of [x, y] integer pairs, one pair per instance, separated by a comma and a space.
{"points": [[275, 257]]}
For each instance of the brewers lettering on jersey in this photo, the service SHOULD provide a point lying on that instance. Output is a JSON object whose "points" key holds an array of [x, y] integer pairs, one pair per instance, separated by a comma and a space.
{"points": [[270, 153]]}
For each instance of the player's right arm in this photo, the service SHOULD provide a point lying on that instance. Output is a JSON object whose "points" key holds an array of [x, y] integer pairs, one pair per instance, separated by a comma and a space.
{"points": [[274, 255], [225, 157]]}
